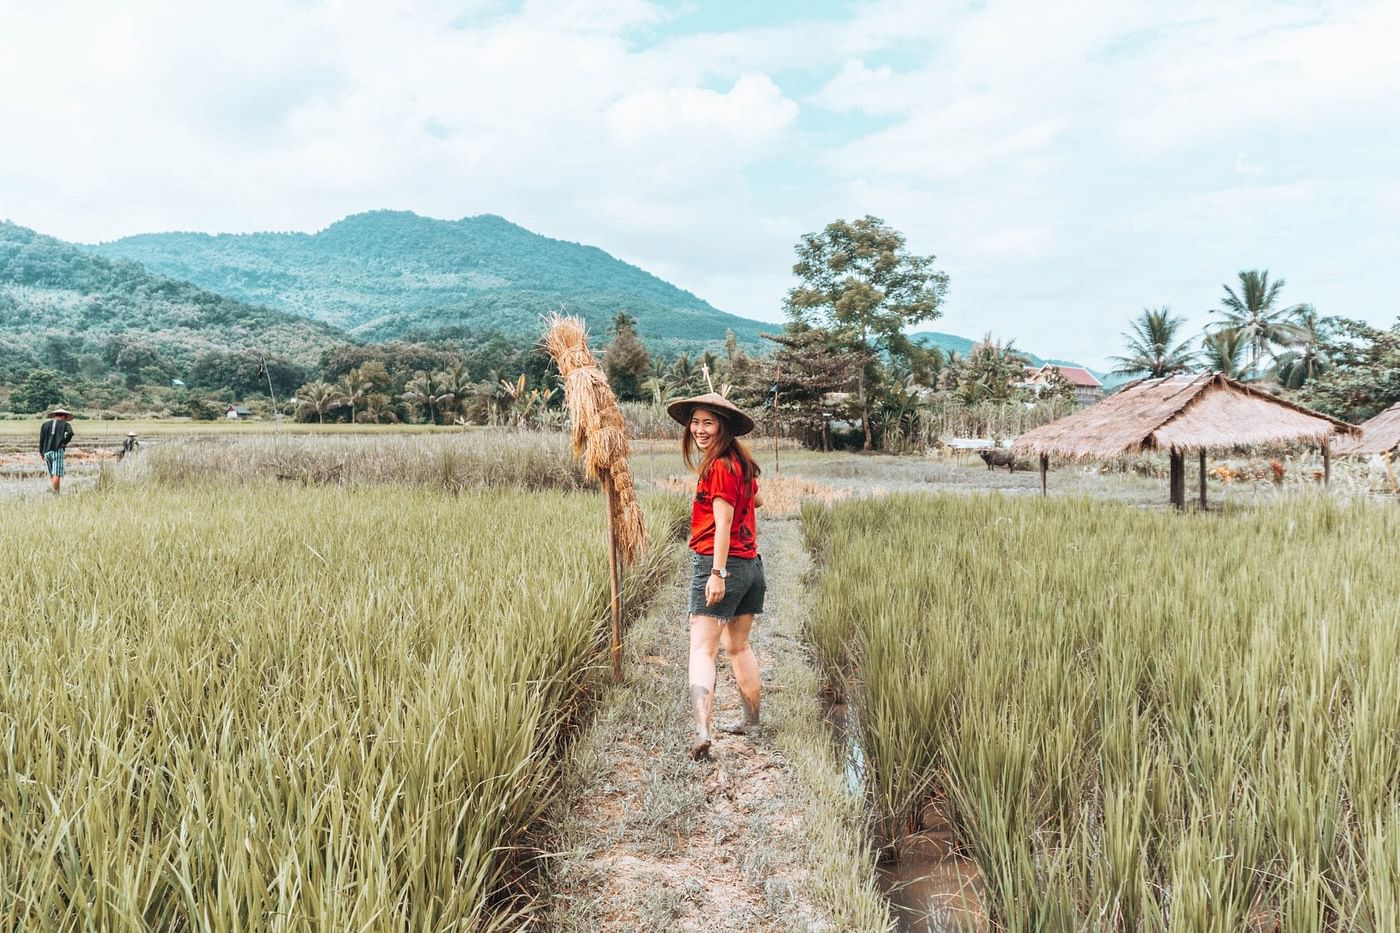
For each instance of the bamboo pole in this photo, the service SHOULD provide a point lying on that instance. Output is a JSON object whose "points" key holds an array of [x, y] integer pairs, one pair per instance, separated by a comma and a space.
{"points": [[1178, 479], [777, 425], [1203, 479], [614, 577], [1327, 462]]}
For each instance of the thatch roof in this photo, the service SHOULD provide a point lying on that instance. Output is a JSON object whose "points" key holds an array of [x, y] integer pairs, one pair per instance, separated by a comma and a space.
{"points": [[1378, 436], [1187, 412]]}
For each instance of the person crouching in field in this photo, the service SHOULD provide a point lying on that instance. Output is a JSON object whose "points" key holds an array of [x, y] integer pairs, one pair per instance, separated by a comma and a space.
{"points": [[54, 436], [727, 587]]}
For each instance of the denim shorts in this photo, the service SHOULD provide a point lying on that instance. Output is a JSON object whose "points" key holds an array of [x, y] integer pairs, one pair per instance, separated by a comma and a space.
{"points": [[743, 588]]}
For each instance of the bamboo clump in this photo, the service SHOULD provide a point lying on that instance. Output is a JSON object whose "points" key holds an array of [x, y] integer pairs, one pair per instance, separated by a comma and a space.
{"points": [[599, 437]]}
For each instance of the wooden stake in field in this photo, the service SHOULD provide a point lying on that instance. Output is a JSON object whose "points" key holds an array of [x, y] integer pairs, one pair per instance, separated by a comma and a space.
{"points": [[600, 440]]}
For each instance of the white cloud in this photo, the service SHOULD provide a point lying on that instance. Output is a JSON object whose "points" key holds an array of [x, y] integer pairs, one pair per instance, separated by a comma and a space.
{"points": [[751, 115], [1076, 158]]}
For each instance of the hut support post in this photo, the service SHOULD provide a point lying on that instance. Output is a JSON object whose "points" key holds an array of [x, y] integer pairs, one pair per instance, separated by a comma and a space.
{"points": [[1327, 463], [1203, 479], [1178, 479], [614, 577], [1044, 470]]}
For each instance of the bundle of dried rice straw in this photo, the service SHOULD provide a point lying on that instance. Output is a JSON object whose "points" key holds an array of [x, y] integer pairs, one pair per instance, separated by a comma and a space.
{"points": [[599, 437]]}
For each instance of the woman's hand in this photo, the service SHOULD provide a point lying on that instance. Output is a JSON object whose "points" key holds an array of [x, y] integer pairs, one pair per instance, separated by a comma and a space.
{"points": [[714, 590]]}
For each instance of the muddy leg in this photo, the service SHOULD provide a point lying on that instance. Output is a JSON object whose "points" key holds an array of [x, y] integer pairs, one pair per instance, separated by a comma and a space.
{"points": [[735, 638], [704, 646]]}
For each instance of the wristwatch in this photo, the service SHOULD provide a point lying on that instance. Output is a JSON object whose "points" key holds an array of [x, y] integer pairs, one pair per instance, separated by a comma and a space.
{"points": [[722, 574]]}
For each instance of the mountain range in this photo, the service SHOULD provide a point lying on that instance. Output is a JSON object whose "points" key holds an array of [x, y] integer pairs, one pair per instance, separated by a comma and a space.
{"points": [[382, 275], [388, 275], [57, 300]]}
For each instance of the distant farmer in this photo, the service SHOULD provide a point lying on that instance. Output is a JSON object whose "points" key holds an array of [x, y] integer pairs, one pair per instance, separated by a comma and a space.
{"points": [[54, 435], [128, 445], [727, 587]]}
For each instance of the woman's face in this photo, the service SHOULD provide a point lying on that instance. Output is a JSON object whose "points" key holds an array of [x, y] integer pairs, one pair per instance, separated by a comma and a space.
{"points": [[704, 427]]}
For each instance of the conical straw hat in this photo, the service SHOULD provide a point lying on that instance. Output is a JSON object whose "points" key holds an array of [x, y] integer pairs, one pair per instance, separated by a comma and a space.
{"points": [[681, 410]]}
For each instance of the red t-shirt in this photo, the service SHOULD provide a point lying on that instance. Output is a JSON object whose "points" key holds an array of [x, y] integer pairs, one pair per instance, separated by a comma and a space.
{"points": [[724, 481]]}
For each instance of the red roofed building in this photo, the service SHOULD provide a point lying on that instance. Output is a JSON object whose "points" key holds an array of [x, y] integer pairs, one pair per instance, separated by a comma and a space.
{"points": [[1087, 389]]}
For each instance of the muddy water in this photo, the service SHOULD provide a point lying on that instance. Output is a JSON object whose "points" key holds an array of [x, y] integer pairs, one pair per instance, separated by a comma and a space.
{"points": [[931, 886]]}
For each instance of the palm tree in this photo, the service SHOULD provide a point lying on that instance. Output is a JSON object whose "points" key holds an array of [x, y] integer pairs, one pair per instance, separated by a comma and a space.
{"points": [[1254, 315], [456, 383], [318, 397], [418, 392], [683, 373], [1223, 352], [354, 386], [1307, 356], [1150, 346]]}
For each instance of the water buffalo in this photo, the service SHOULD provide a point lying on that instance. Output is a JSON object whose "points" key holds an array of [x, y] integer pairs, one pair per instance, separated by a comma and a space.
{"points": [[997, 456]]}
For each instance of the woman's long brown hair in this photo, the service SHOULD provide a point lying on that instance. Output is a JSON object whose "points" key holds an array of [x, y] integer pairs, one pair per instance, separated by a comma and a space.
{"points": [[725, 445]]}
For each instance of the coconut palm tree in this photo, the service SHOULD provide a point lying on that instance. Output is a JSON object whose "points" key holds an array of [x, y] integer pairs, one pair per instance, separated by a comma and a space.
{"points": [[354, 386], [1254, 314], [1153, 350], [1307, 356], [1223, 352], [426, 391], [318, 397]]}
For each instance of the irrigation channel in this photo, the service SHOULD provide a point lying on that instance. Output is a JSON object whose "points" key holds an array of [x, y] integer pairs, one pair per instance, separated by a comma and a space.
{"points": [[932, 886]]}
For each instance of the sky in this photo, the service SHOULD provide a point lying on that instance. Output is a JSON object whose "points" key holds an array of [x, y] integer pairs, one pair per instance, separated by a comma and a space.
{"points": [[1068, 163]]}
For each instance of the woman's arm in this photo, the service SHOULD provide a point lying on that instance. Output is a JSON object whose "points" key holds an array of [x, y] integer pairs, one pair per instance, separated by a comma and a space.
{"points": [[758, 500], [724, 521]]}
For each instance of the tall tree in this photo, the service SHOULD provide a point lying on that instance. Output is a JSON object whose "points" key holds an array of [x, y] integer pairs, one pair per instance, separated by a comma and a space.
{"points": [[809, 365], [318, 397], [1153, 349], [989, 372], [1364, 376], [40, 389], [1307, 356], [354, 386], [1223, 352], [625, 359], [858, 276], [1256, 316]]}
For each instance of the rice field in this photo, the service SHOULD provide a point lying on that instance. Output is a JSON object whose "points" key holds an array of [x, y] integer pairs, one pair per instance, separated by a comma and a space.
{"points": [[1132, 720], [287, 706]]}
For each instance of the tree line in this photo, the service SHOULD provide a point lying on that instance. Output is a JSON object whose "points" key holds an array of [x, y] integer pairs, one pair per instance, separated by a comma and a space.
{"points": [[1340, 366]]}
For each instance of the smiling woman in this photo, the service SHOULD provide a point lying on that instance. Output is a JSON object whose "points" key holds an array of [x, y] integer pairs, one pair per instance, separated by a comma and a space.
{"points": [[727, 587]]}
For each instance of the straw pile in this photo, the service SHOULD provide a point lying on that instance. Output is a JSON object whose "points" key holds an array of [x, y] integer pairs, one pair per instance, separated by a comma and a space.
{"points": [[599, 438]]}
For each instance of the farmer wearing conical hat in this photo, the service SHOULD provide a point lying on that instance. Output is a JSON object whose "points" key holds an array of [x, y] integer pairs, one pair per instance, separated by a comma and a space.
{"points": [[54, 435], [727, 587], [128, 445]]}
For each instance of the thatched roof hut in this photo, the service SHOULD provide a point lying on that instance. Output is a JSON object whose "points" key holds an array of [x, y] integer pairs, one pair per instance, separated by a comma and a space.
{"points": [[1380, 435], [1179, 414]]}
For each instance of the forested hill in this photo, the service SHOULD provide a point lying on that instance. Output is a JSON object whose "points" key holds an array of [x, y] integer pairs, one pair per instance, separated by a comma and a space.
{"points": [[59, 300], [393, 274]]}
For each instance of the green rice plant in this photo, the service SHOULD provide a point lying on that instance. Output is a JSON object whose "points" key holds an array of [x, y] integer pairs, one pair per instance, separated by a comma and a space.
{"points": [[288, 708], [1134, 720], [454, 462]]}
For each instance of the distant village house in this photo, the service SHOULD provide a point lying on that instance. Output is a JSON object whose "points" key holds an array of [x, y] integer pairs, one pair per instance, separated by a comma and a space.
{"points": [[1087, 389], [237, 413]]}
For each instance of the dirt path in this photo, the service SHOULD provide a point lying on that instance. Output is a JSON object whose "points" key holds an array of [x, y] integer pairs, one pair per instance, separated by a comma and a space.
{"points": [[762, 837]]}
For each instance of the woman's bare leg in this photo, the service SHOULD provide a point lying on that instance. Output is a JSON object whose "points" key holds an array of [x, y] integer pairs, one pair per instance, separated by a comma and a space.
{"points": [[735, 638], [704, 647]]}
